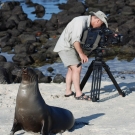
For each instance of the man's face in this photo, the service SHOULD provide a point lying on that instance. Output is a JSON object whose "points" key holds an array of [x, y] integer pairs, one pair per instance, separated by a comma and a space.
{"points": [[96, 22]]}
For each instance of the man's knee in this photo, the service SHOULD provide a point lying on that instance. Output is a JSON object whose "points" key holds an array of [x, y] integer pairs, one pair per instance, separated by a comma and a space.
{"points": [[74, 68]]}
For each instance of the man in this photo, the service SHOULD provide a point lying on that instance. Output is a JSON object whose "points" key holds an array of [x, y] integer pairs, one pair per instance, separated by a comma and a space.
{"points": [[68, 47]]}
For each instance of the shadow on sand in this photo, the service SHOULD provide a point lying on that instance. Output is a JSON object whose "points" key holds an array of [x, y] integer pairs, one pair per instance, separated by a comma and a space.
{"points": [[81, 122], [127, 88]]}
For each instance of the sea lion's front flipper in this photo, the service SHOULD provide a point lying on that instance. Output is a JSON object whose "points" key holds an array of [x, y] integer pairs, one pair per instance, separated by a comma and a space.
{"points": [[45, 127], [16, 127]]}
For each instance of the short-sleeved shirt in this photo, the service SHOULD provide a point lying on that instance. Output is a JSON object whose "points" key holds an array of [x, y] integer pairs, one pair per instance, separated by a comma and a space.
{"points": [[72, 33]]}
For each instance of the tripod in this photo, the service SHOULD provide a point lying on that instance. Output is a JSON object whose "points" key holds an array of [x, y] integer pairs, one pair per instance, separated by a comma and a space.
{"points": [[96, 67]]}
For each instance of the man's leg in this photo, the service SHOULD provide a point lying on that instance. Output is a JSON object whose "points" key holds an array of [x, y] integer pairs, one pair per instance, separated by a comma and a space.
{"points": [[68, 81], [76, 71]]}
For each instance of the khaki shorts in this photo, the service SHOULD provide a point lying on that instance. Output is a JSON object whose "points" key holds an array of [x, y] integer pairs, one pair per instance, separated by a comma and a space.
{"points": [[69, 57]]}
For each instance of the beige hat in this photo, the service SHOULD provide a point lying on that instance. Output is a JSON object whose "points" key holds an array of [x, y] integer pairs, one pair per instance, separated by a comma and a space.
{"points": [[101, 16]]}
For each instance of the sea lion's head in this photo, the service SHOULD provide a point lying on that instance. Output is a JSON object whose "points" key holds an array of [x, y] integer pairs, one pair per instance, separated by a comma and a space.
{"points": [[28, 75]]}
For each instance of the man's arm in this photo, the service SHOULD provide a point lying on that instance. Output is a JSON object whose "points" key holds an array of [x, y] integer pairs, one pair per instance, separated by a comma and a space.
{"points": [[78, 48]]}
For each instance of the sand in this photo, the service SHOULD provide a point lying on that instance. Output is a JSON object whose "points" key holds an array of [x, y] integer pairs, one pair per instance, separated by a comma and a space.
{"points": [[112, 115]]}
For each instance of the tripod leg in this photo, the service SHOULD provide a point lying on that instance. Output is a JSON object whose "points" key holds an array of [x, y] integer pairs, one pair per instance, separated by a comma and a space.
{"points": [[96, 81], [86, 77], [107, 69]]}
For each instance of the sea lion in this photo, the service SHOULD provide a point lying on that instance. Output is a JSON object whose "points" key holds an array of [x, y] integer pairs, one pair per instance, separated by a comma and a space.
{"points": [[33, 114]]}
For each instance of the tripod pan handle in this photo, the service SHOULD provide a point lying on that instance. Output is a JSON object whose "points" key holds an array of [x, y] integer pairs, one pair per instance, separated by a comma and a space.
{"points": [[79, 64]]}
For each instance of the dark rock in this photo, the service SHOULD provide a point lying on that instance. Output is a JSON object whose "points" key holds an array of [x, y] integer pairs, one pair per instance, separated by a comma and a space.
{"points": [[6, 49], [26, 37], [127, 50], [39, 73], [3, 26], [42, 78], [54, 19], [39, 8], [7, 6], [16, 72], [127, 10], [65, 6], [60, 30], [43, 38], [10, 24], [2, 59], [132, 3], [37, 45], [6, 15], [14, 40], [50, 43], [50, 26], [36, 28], [15, 3], [3, 33], [9, 66], [130, 24], [120, 4], [14, 32], [91, 2], [64, 18], [45, 79], [50, 53], [22, 16], [79, 10], [14, 18], [109, 52], [94, 9], [50, 69], [22, 59], [39, 57], [26, 49], [41, 22], [17, 10], [28, 2], [4, 40], [24, 24], [132, 43], [4, 78], [59, 79]]}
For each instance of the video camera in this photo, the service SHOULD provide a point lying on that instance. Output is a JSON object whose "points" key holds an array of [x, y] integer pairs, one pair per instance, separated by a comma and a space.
{"points": [[90, 38]]}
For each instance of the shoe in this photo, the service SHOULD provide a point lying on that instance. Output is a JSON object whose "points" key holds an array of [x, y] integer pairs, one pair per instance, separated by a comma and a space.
{"points": [[83, 97], [69, 94]]}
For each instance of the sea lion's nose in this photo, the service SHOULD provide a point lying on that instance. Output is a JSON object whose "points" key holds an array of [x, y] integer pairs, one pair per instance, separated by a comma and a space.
{"points": [[24, 69]]}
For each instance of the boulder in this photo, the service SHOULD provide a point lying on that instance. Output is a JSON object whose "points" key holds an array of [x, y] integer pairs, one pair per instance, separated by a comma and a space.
{"points": [[2, 59], [26, 49], [24, 24], [23, 59], [59, 79], [24, 38]]}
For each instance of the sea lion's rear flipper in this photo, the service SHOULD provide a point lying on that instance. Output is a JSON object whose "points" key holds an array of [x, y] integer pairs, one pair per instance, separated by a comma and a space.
{"points": [[16, 127]]}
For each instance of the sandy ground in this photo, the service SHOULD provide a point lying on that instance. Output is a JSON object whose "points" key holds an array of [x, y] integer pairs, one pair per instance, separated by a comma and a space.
{"points": [[112, 115]]}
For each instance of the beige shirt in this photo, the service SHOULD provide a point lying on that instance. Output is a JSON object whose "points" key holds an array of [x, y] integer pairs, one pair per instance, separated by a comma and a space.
{"points": [[72, 33]]}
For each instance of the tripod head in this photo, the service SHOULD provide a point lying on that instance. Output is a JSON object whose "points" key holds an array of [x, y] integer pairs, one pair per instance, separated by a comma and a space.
{"points": [[98, 54]]}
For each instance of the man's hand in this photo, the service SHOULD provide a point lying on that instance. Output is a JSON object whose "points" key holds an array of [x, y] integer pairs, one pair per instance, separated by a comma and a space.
{"points": [[78, 48], [83, 57]]}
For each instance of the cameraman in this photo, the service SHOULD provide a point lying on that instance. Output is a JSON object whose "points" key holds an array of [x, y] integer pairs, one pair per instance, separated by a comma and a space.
{"points": [[68, 47]]}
